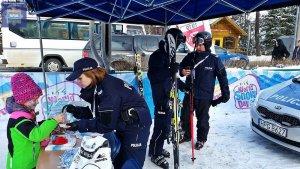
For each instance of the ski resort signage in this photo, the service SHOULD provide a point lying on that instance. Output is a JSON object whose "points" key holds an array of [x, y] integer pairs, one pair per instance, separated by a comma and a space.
{"points": [[245, 91]]}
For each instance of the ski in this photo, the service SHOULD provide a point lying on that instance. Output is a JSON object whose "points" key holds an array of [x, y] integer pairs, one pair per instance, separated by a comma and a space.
{"points": [[174, 103], [138, 73]]}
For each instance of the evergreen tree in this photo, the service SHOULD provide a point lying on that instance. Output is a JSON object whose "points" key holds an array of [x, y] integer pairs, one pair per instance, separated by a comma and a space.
{"points": [[276, 23]]}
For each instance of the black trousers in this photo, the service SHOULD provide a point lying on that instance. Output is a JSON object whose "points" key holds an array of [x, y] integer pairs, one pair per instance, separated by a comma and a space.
{"points": [[185, 116], [202, 108]]}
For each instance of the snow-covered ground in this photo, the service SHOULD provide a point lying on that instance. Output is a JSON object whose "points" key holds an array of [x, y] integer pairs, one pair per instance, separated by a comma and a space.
{"points": [[231, 145], [260, 58]]}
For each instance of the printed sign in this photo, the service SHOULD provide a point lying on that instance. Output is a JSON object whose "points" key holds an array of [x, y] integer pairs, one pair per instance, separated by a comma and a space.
{"points": [[13, 13], [245, 91], [191, 29]]}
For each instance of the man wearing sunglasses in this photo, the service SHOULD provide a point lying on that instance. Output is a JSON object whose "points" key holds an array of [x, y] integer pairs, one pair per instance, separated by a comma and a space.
{"points": [[203, 67]]}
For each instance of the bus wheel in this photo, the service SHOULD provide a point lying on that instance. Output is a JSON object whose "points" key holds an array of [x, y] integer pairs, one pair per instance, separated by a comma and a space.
{"points": [[53, 65]]}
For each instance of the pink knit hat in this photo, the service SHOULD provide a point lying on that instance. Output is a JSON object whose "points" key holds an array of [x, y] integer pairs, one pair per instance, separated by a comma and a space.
{"points": [[24, 88]]}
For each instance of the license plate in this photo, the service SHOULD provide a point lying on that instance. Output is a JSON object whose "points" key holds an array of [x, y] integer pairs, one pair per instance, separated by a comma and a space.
{"points": [[273, 128]]}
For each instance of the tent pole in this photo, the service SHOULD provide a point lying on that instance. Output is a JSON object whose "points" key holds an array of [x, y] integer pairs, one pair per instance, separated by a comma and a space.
{"points": [[42, 59]]}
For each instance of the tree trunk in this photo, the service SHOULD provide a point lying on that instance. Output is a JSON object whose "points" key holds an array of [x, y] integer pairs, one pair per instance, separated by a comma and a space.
{"points": [[257, 44]]}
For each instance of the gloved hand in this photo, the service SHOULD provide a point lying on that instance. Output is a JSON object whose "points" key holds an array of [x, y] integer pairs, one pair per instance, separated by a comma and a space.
{"points": [[225, 98], [174, 68], [72, 126], [216, 102], [71, 109]]}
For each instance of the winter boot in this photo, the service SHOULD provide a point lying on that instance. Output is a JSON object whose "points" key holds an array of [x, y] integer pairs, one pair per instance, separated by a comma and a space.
{"points": [[199, 145], [165, 153], [160, 161]]}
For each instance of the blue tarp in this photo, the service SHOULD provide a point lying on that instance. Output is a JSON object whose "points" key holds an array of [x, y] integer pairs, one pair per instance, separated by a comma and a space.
{"points": [[153, 12]]}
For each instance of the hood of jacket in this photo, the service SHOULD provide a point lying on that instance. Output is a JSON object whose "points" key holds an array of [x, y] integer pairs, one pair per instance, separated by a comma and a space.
{"points": [[12, 106]]}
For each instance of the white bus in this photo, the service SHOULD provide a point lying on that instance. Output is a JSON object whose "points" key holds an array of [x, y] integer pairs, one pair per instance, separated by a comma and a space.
{"points": [[63, 41]]}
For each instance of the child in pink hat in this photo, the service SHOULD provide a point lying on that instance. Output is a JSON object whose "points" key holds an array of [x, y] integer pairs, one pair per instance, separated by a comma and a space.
{"points": [[24, 134]]}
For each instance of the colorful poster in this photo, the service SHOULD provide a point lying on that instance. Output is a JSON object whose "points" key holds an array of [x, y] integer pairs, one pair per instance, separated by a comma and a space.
{"points": [[243, 85]]}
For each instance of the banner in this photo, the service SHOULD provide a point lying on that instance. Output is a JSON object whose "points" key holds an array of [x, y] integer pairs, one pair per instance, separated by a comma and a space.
{"points": [[191, 29], [243, 85]]}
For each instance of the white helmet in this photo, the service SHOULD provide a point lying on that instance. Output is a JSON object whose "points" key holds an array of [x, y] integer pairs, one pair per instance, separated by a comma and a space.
{"points": [[94, 153]]}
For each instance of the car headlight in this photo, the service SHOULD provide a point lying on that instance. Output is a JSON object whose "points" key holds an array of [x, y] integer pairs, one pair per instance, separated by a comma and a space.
{"points": [[255, 104]]}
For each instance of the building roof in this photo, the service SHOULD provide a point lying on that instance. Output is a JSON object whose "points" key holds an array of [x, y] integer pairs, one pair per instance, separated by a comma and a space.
{"points": [[231, 22]]}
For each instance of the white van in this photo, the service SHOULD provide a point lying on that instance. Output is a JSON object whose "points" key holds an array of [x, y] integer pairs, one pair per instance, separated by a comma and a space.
{"points": [[63, 41]]}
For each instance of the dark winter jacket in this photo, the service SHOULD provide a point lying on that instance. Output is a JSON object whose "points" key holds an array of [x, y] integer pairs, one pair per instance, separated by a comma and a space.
{"points": [[158, 65], [24, 136], [296, 53], [280, 51], [160, 77], [113, 96], [206, 73]]}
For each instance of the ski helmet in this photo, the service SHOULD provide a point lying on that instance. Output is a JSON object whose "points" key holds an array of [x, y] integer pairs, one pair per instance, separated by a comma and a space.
{"points": [[204, 38], [177, 34]]}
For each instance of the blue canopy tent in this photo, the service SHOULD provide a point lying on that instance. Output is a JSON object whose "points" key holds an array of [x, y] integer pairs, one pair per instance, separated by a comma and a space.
{"points": [[152, 12]]}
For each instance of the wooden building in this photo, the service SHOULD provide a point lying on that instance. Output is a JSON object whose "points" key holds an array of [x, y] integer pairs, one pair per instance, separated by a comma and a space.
{"points": [[226, 34]]}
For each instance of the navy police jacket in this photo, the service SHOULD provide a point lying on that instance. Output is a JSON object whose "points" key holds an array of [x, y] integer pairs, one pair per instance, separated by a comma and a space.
{"points": [[206, 73], [112, 97]]}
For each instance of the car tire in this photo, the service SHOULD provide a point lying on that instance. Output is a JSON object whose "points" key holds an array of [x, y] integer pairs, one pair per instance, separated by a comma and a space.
{"points": [[53, 65]]}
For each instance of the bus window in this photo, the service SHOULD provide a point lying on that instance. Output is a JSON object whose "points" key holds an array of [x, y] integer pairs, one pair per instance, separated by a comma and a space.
{"points": [[55, 30], [30, 31], [134, 30], [79, 31]]}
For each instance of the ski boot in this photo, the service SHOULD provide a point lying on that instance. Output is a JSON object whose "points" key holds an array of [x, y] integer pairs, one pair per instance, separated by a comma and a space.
{"points": [[160, 161], [164, 153], [199, 145]]}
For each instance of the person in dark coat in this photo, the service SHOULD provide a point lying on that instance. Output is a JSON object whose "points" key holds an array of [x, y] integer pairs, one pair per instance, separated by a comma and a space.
{"points": [[206, 67], [279, 52], [296, 52], [160, 75], [115, 105]]}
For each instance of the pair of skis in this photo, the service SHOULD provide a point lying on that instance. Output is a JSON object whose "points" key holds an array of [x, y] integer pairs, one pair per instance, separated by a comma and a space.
{"points": [[175, 135], [174, 102]]}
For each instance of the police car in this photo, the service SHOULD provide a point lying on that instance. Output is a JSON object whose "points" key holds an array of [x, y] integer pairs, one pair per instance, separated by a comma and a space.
{"points": [[275, 114]]}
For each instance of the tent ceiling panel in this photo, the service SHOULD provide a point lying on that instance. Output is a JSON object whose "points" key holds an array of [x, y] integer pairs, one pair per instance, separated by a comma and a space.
{"points": [[155, 12]]}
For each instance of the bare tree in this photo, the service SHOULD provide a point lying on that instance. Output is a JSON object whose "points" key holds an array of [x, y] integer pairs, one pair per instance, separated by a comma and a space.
{"points": [[257, 44]]}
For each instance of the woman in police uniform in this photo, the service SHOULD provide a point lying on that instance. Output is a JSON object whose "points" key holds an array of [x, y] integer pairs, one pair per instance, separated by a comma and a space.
{"points": [[115, 105]]}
